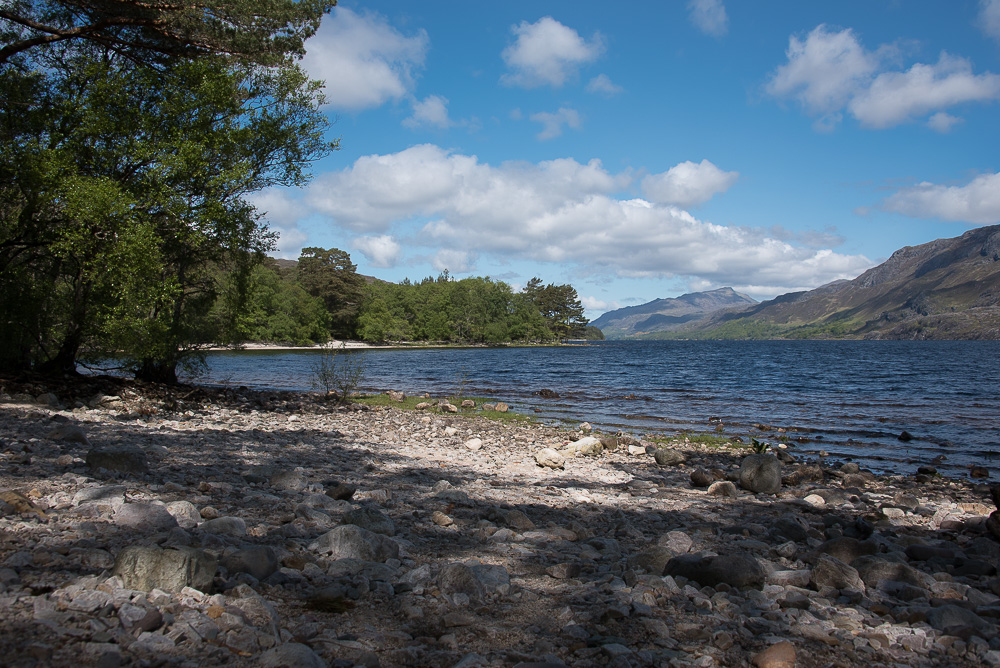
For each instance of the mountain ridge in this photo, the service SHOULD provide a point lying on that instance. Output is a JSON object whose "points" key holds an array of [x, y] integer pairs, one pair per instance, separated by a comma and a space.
{"points": [[944, 289]]}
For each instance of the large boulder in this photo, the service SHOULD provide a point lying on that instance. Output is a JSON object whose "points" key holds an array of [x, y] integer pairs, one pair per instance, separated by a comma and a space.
{"points": [[669, 457], [550, 458], [352, 542], [761, 474], [146, 567]]}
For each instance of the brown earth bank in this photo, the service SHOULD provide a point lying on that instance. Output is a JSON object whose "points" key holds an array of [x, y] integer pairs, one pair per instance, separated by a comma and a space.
{"points": [[158, 526]]}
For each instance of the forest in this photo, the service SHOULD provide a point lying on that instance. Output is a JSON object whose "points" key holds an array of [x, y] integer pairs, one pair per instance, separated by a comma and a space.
{"points": [[323, 296]]}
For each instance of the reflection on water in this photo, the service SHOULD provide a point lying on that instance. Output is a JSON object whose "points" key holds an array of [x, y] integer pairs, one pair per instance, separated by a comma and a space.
{"points": [[850, 398]]}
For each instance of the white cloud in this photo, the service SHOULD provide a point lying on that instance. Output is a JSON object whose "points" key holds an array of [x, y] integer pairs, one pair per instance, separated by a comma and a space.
{"points": [[455, 261], [709, 16], [451, 207], [364, 60], [824, 71], [552, 124], [688, 184], [977, 202], [989, 17], [942, 122], [602, 85], [547, 53], [595, 305], [896, 97], [381, 251], [432, 110], [832, 72]]}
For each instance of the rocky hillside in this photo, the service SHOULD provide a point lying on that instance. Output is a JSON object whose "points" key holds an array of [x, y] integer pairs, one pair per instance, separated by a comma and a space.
{"points": [[945, 289], [667, 315]]}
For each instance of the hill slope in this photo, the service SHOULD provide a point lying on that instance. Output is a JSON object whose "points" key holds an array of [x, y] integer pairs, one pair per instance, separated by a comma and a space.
{"points": [[665, 315], [945, 289]]}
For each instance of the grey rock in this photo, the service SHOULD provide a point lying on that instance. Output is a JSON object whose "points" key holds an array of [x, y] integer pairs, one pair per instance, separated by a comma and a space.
{"points": [[493, 578], [139, 618], [341, 492], [288, 655], [69, 433], [185, 513], [455, 579], [259, 561], [876, 570], [121, 460], [723, 488], [144, 516], [255, 609], [352, 542], [832, 572], [669, 457], [225, 526], [291, 481], [701, 478], [652, 560], [550, 458], [516, 519], [676, 541], [589, 445], [953, 618], [369, 518], [736, 570], [113, 495], [148, 567], [761, 474]]}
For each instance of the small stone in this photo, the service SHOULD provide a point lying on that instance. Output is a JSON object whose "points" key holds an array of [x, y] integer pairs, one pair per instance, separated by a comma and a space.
{"points": [[259, 561], [352, 542], [441, 519], [501, 407], [723, 488], [341, 492], [779, 655], [145, 516], [290, 654], [370, 518], [225, 526], [701, 478], [815, 500], [669, 457], [147, 567], [474, 444], [69, 433], [563, 571]]}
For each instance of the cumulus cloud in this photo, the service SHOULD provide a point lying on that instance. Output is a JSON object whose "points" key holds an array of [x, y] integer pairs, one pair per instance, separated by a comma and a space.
{"points": [[976, 202], [381, 251], [602, 85], [989, 17], [830, 72], [547, 53], [553, 123], [709, 16], [688, 184], [453, 207], [432, 111], [364, 61], [455, 261], [942, 122], [595, 305], [896, 97]]}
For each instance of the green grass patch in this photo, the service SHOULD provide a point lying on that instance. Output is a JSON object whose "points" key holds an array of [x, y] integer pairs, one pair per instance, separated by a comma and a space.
{"points": [[410, 403]]}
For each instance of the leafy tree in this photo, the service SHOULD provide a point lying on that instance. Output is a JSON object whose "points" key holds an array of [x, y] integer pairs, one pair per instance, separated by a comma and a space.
{"points": [[330, 275], [91, 199], [560, 306], [260, 31]]}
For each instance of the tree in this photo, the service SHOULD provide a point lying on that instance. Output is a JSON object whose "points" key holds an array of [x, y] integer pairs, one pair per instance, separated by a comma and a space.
{"points": [[91, 199], [330, 275], [155, 32], [560, 306]]}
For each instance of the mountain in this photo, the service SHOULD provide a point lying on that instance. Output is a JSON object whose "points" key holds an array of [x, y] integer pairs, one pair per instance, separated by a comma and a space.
{"points": [[945, 289], [666, 315]]}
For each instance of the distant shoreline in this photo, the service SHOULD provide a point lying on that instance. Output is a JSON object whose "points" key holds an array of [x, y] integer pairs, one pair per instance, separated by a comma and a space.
{"points": [[361, 345]]}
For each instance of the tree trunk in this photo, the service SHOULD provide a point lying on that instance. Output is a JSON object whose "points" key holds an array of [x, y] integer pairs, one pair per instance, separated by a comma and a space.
{"points": [[158, 371]]}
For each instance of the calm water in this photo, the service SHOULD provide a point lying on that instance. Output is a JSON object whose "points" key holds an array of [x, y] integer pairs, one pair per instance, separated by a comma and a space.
{"points": [[849, 398]]}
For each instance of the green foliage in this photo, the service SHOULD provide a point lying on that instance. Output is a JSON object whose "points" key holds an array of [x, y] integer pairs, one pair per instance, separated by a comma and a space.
{"points": [[338, 371], [262, 31], [759, 447], [560, 307], [119, 232], [329, 275]]}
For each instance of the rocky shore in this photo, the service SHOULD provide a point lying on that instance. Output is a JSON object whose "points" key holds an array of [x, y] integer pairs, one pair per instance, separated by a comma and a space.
{"points": [[152, 527]]}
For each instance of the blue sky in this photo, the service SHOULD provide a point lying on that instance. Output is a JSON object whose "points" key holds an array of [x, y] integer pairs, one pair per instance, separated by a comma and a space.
{"points": [[647, 149]]}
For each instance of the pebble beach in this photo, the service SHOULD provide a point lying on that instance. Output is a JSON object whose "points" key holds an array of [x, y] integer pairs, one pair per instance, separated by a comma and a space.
{"points": [[188, 526]]}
